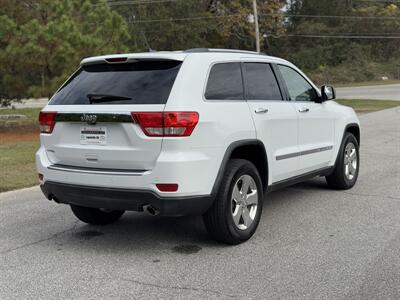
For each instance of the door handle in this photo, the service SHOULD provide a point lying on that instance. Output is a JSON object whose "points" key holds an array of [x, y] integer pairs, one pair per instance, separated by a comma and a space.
{"points": [[304, 110], [261, 110]]}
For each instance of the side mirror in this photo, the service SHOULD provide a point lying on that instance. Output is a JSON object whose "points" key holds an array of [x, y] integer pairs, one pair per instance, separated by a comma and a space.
{"points": [[328, 93]]}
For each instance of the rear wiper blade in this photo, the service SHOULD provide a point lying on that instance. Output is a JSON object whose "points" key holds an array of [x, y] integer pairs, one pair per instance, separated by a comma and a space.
{"points": [[98, 98]]}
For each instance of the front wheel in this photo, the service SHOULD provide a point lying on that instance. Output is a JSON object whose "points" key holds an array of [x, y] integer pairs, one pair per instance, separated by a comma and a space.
{"points": [[96, 216], [234, 216], [347, 166]]}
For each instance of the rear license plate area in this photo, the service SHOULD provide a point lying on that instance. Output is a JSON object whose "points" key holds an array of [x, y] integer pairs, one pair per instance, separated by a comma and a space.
{"points": [[90, 135]]}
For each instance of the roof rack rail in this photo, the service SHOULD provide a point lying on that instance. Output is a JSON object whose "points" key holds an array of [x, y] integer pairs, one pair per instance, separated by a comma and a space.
{"points": [[201, 50]]}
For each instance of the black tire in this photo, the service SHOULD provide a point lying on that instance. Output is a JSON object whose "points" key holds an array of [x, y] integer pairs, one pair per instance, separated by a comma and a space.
{"points": [[95, 216], [219, 219], [338, 179]]}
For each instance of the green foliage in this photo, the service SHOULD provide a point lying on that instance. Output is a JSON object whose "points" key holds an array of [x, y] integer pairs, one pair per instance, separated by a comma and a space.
{"points": [[343, 59], [199, 23], [43, 43], [150, 25], [234, 26]]}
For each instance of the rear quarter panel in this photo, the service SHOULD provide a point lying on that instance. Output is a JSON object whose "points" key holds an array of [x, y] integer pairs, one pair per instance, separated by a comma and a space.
{"points": [[220, 123]]}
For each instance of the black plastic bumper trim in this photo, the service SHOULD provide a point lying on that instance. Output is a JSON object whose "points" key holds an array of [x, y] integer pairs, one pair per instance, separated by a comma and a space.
{"points": [[300, 178], [124, 199]]}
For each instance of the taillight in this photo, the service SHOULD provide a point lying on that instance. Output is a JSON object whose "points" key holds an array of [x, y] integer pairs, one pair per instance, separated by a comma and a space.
{"points": [[166, 123], [150, 122], [180, 123], [47, 121]]}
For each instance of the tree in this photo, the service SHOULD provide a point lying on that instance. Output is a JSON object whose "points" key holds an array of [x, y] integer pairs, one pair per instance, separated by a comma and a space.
{"points": [[199, 23], [174, 25], [235, 26], [42, 42], [9, 88], [344, 58]]}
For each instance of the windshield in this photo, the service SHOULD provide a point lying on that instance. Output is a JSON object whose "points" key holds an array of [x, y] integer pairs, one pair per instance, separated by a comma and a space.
{"points": [[141, 82]]}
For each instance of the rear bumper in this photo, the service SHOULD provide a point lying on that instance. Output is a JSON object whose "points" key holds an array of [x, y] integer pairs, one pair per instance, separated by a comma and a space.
{"points": [[124, 199], [186, 168]]}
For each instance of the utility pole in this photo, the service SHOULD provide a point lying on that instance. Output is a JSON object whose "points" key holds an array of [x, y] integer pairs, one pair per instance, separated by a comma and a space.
{"points": [[257, 30]]}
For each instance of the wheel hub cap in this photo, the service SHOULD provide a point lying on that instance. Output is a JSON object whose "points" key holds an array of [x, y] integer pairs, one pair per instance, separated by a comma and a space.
{"points": [[350, 161], [244, 202]]}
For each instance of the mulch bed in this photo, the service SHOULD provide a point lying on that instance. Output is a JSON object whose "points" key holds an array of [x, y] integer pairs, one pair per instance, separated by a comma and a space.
{"points": [[18, 133]]}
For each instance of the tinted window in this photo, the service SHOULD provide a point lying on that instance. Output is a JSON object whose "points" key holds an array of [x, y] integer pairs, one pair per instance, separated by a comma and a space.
{"points": [[225, 82], [261, 83], [299, 88], [142, 82]]}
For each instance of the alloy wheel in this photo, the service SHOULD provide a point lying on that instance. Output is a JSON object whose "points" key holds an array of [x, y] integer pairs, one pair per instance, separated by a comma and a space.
{"points": [[244, 202], [350, 161]]}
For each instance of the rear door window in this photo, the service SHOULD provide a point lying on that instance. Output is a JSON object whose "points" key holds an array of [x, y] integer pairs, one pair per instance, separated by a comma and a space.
{"points": [[142, 82], [260, 82], [225, 82]]}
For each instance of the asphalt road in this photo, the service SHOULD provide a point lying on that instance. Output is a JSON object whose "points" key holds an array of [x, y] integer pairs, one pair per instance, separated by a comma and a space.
{"points": [[379, 92], [312, 243]]}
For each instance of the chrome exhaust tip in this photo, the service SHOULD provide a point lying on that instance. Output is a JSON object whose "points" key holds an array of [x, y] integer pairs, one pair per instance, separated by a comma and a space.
{"points": [[151, 210]]}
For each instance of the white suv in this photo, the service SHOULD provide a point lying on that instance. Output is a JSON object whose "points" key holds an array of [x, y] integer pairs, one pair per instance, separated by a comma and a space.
{"points": [[196, 132]]}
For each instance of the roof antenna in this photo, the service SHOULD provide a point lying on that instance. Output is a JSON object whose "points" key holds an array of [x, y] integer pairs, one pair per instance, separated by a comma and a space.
{"points": [[146, 42]]}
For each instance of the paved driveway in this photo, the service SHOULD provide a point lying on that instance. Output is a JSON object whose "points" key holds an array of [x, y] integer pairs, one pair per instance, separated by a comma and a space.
{"points": [[312, 243]]}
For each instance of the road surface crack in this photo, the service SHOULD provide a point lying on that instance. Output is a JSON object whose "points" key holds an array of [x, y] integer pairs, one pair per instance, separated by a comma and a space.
{"points": [[41, 240], [186, 288], [371, 195]]}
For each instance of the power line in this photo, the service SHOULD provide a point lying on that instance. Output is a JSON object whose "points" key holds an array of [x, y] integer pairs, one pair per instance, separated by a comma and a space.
{"points": [[338, 36], [233, 15], [180, 19], [316, 35], [381, 35], [381, 1], [339, 17], [138, 2], [118, 3], [130, 2]]}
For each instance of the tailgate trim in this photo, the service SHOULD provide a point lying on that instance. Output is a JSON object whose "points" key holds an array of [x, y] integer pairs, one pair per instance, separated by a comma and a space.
{"points": [[97, 117], [97, 171]]}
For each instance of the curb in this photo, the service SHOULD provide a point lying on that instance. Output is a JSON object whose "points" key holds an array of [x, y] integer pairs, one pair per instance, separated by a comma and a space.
{"points": [[14, 192]]}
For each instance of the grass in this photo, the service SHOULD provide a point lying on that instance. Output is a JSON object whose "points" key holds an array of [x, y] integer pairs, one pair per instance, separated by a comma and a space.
{"points": [[367, 83], [365, 106], [19, 140], [17, 164], [18, 145]]}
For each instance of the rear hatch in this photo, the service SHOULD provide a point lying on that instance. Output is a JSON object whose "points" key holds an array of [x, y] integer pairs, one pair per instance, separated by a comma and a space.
{"points": [[94, 127]]}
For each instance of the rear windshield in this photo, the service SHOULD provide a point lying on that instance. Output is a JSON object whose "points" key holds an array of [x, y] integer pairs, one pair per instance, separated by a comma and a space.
{"points": [[141, 82]]}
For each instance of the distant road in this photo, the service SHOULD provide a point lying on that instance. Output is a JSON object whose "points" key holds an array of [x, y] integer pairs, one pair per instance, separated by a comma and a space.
{"points": [[381, 92], [30, 103]]}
